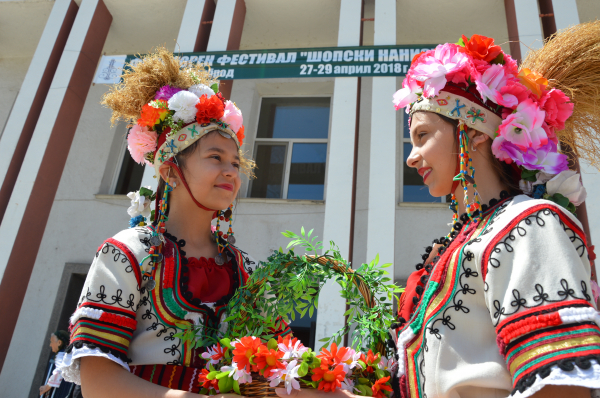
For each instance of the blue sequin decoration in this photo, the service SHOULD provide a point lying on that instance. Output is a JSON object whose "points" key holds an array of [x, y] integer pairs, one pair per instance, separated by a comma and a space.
{"points": [[135, 221], [539, 191]]}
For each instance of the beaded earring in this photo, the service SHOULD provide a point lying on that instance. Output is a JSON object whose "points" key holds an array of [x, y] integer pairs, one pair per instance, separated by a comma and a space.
{"points": [[465, 178], [157, 239], [228, 238]]}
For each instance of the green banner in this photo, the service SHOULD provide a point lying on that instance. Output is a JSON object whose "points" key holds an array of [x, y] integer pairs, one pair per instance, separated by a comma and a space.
{"points": [[306, 62]]}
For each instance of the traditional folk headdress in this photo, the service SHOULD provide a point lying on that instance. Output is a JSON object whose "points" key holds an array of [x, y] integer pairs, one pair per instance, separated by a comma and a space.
{"points": [[525, 111], [171, 107]]}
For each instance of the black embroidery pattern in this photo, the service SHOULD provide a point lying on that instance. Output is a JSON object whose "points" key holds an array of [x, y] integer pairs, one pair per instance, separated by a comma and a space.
{"points": [[542, 297], [164, 331], [249, 264], [464, 289]]}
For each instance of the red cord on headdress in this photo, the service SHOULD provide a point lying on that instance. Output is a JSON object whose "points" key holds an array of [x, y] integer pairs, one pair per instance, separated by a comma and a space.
{"points": [[181, 176]]}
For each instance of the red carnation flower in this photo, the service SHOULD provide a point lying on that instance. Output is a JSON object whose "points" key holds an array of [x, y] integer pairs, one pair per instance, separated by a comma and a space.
{"points": [[481, 47], [209, 108]]}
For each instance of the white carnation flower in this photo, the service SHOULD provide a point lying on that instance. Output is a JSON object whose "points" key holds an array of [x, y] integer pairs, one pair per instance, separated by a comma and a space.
{"points": [[139, 205], [201, 89], [568, 184], [184, 105]]}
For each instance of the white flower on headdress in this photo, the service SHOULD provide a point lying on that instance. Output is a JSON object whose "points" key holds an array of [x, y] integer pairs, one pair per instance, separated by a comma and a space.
{"points": [[140, 205], [184, 105], [201, 89], [542, 177], [526, 187], [568, 184]]}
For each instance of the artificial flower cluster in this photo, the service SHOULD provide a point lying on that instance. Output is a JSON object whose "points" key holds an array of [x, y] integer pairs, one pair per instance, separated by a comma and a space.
{"points": [[531, 111], [288, 362], [173, 108], [140, 209]]}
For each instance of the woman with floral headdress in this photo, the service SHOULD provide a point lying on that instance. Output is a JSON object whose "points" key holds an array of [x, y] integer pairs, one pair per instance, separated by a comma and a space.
{"points": [[504, 305], [172, 269]]}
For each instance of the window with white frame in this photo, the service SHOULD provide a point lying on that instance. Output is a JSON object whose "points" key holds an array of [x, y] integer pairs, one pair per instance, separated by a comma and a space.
{"points": [[413, 190], [128, 174], [291, 148]]}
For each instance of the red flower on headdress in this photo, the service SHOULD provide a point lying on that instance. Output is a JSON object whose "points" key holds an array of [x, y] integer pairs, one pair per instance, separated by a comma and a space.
{"points": [[209, 108], [240, 135], [151, 115], [480, 47]]}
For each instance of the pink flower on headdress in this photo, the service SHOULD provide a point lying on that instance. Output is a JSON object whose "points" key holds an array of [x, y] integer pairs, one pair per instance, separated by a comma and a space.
{"points": [[140, 141], [489, 84], [545, 158], [524, 127], [166, 92], [432, 69], [550, 132], [557, 107], [511, 95], [232, 116], [406, 95]]}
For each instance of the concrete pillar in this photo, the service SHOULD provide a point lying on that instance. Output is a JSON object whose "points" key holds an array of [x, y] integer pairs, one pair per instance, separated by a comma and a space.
{"points": [[382, 168], [28, 104], [195, 28], [340, 163], [529, 26], [226, 33], [31, 201]]}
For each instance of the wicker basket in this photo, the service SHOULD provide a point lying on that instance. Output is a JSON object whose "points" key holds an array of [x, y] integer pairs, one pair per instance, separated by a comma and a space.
{"points": [[260, 386]]}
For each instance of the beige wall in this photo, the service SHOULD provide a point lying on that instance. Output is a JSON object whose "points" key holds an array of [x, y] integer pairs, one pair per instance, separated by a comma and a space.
{"points": [[434, 21], [589, 10]]}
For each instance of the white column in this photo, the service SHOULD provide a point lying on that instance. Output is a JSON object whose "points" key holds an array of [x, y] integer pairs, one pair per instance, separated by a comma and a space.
{"points": [[59, 89], [529, 26], [340, 163], [29, 88], [382, 168], [190, 25], [221, 27]]}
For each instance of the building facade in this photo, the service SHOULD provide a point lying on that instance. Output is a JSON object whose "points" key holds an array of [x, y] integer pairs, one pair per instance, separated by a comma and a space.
{"points": [[331, 151]]}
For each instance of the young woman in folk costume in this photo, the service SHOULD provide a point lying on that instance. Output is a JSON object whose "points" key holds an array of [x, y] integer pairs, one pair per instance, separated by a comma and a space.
{"points": [[169, 269], [503, 305]]}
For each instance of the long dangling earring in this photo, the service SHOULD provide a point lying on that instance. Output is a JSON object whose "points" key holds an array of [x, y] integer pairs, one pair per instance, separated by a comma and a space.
{"points": [[465, 178], [157, 239], [228, 238]]}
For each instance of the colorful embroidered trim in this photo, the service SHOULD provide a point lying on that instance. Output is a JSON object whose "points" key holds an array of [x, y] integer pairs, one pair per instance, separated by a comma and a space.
{"points": [[171, 376]]}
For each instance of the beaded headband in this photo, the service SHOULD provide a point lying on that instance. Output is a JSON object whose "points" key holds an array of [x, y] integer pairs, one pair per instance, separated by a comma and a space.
{"points": [[172, 144], [459, 108]]}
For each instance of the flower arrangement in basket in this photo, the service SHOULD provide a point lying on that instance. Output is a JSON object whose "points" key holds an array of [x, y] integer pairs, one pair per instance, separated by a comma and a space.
{"points": [[248, 360]]}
